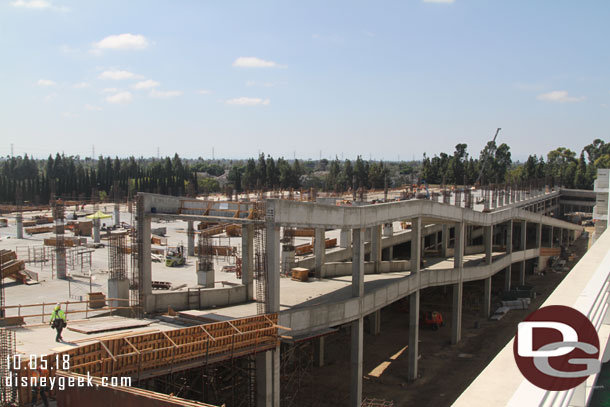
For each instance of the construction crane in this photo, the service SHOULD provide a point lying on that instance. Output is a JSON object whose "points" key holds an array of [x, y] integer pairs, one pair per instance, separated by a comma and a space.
{"points": [[489, 150]]}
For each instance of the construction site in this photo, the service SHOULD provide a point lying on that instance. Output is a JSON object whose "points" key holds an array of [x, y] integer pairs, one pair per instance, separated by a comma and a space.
{"points": [[291, 298]]}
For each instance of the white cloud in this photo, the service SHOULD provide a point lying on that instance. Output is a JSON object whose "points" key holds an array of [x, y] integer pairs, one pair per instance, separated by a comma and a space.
{"points": [[204, 92], [439, 1], [50, 97], [245, 101], [121, 97], [158, 94], [37, 5], [45, 82], [69, 114], [147, 84], [81, 85], [92, 108], [559, 96], [263, 84], [122, 42], [117, 75], [605, 106], [253, 62], [111, 90]]}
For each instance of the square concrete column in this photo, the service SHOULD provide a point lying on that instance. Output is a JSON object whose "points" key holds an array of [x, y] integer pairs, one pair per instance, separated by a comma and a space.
{"points": [[539, 235], [247, 259], [320, 251], [413, 335], [357, 339], [376, 247], [358, 263], [552, 238], [345, 240], [190, 238], [388, 229], [415, 244], [117, 215], [523, 243], [488, 243], [487, 297], [19, 219], [509, 237], [319, 344], [272, 302], [444, 240], [375, 322], [268, 378], [118, 288], [145, 258], [458, 264]]}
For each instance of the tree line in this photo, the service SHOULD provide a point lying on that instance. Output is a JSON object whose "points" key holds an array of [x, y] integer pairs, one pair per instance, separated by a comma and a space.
{"points": [[24, 179]]}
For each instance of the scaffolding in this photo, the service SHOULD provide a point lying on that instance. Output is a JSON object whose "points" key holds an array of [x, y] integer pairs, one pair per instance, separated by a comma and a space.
{"points": [[296, 374], [117, 265]]}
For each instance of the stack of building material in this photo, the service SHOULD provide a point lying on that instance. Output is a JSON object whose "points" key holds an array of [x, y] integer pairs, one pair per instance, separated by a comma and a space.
{"points": [[308, 248], [12, 267], [38, 229]]}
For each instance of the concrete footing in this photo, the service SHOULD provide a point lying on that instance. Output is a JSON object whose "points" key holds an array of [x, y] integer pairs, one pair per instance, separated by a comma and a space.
{"points": [[206, 278]]}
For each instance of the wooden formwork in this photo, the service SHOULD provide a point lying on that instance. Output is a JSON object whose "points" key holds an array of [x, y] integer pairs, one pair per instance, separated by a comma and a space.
{"points": [[151, 354]]}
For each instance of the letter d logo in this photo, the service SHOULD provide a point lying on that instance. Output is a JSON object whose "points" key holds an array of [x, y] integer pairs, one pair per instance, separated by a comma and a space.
{"points": [[525, 331]]}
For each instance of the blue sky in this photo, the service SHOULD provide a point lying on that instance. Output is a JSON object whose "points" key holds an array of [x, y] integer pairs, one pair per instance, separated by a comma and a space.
{"points": [[384, 79]]}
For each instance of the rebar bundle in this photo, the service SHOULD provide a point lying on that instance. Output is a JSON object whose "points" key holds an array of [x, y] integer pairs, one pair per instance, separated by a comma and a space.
{"points": [[8, 394], [60, 245], [117, 266], [260, 259], [135, 290]]}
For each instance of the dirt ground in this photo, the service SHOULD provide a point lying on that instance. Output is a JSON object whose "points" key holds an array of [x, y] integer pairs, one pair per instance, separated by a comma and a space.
{"points": [[444, 370]]}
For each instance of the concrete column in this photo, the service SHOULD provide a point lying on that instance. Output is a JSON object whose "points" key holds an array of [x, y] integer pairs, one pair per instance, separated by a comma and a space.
{"points": [[434, 238], [561, 237], [190, 238], [358, 263], [247, 259], [357, 339], [391, 253], [507, 278], [320, 251], [388, 230], [487, 297], [96, 231], [119, 289], [319, 351], [345, 240], [413, 335], [488, 243], [146, 266], [415, 244], [509, 237], [117, 215], [445, 240], [375, 322], [552, 238], [539, 235], [273, 267], [267, 378], [376, 247], [458, 264], [523, 235], [19, 219]]}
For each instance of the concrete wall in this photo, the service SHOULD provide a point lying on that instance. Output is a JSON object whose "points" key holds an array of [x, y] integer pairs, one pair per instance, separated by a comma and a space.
{"points": [[220, 297]]}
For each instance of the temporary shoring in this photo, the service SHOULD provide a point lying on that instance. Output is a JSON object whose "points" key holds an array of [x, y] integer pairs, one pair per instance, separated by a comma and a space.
{"points": [[146, 355]]}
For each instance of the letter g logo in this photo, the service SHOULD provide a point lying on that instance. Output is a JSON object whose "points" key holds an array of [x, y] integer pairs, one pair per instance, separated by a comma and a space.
{"points": [[556, 348]]}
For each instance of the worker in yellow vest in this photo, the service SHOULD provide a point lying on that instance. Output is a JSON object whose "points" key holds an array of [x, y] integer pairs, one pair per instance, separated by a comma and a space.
{"points": [[58, 321]]}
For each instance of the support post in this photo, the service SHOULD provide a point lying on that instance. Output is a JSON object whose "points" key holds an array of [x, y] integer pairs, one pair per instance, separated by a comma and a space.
{"points": [[356, 363], [190, 238], [273, 267], [413, 335], [320, 251], [117, 215], [375, 322], [19, 219], [345, 240], [456, 314], [247, 259], [358, 263], [376, 248], [415, 244], [487, 297], [319, 351], [445, 240]]}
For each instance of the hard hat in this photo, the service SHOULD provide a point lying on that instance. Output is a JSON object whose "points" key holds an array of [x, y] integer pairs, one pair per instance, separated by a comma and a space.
{"points": [[57, 306]]}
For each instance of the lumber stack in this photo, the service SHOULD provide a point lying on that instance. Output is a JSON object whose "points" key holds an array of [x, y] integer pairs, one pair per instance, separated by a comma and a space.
{"points": [[308, 247], [12, 267]]}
